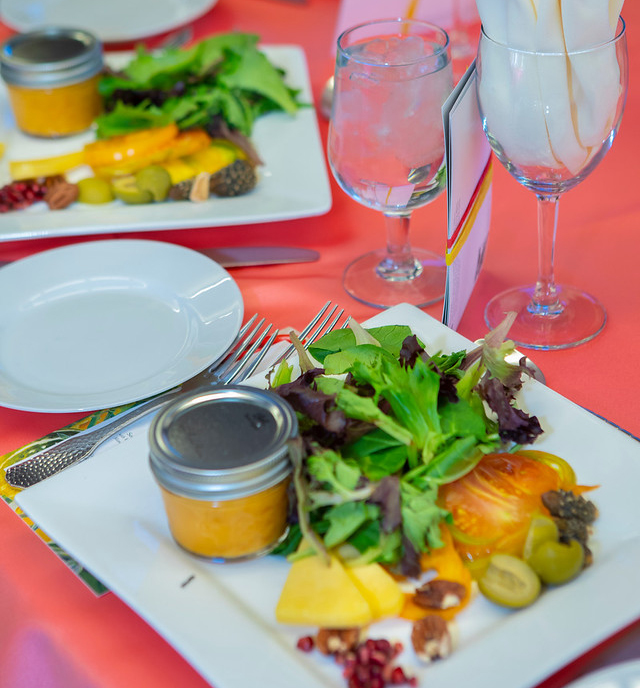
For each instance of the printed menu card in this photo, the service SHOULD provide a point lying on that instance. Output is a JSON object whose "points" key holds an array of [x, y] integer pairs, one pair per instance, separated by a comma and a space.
{"points": [[469, 173]]}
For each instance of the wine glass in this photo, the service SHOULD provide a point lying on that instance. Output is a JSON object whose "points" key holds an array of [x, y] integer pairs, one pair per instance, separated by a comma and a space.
{"points": [[386, 148], [550, 118]]}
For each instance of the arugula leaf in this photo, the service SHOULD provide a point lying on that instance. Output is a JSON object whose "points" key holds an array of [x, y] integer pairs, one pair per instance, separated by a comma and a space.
{"points": [[421, 516], [345, 519]]}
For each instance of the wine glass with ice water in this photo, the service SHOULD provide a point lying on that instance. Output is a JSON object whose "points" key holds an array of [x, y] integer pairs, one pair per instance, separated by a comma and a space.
{"points": [[386, 148], [550, 118]]}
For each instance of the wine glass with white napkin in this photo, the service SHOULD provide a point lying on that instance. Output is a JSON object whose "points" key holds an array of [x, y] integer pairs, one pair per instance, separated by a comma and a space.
{"points": [[552, 84]]}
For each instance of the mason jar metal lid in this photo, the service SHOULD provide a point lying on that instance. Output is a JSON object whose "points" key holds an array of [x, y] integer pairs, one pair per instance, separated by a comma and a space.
{"points": [[222, 443], [49, 57]]}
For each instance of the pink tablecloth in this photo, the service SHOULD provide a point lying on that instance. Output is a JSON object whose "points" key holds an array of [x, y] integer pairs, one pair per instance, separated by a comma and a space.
{"points": [[55, 633]]}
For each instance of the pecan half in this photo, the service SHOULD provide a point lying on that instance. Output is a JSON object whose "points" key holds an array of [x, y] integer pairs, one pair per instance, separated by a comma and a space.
{"points": [[331, 641], [61, 194], [431, 638], [440, 594]]}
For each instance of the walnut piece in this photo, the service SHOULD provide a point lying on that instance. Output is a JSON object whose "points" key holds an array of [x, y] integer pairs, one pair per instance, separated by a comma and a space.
{"points": [[331, 641], [61, 194], [440, 594], [200, 188], [431, 638]]}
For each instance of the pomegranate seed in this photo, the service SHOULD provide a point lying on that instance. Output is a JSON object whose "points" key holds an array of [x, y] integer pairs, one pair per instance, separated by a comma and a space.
{"points": [[413, 682], [348, 671], [364, 654], [383, 645], [376, 682], [306, 644], [397, 676], [362, 672], [379, 658], [397, 649]]}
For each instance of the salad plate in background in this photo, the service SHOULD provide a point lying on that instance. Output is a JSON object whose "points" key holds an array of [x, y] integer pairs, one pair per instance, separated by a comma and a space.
{"points": [[116, 21], [292, 183], [211, 613]]}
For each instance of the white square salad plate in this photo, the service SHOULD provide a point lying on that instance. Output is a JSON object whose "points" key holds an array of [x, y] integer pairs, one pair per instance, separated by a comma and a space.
{"points": [[107, 513]]}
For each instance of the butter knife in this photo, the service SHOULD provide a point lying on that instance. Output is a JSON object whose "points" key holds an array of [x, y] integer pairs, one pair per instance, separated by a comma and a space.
{"points": [[246, 256]]}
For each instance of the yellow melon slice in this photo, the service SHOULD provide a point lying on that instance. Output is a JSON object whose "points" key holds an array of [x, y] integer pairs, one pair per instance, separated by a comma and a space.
{"points": [[317, 594], [379, 589]]}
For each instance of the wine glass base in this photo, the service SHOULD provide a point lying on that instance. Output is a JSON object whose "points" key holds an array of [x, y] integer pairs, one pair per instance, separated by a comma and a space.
{"points": [[580, 318], [362, 281]]}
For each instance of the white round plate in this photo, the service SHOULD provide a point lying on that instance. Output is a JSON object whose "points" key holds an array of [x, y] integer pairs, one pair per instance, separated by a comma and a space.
{"points": [[104, 323], [622, 675], [115, 21]]}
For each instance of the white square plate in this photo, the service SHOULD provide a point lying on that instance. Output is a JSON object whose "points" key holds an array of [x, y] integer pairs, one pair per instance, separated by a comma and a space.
{"points": [[107, 513], [293, 182]]}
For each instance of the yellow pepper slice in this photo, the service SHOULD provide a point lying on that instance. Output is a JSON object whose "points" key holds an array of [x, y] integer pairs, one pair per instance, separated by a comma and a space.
{"points": [[185, 143], [45, 167], [119, 150]]}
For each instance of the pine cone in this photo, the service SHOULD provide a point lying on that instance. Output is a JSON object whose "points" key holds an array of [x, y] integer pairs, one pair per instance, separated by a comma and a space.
{"points": [[233, 180]]}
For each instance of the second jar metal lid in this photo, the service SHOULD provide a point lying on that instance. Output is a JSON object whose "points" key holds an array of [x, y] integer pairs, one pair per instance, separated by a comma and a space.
{"points": [[222, 443], [49, 57]]}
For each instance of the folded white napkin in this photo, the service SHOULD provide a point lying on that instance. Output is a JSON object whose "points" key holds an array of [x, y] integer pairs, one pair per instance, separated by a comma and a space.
{"points": [[577, 92]]}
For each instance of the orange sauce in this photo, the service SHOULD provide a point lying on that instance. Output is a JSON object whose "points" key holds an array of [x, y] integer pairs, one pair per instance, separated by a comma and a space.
{"points": [[229, 529], [56, 111]]}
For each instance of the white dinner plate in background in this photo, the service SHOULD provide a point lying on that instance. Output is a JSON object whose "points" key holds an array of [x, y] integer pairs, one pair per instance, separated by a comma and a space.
{"points": [[104, 323], [115, 21]]}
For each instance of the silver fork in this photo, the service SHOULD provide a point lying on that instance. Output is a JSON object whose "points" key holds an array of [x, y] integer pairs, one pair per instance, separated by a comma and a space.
{"points": [[322, 323], [235, 365]]}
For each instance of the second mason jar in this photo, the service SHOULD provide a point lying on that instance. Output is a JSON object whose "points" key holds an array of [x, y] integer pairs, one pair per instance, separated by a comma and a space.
{"points": [[52, 79]]}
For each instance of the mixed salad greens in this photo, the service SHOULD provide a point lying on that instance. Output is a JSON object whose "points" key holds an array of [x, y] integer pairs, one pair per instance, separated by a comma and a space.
{"points": [[223, 76], [383, 424]]}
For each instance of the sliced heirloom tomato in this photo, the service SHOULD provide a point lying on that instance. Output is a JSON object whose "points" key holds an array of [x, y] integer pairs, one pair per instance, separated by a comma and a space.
{"points": [[492, 505]]}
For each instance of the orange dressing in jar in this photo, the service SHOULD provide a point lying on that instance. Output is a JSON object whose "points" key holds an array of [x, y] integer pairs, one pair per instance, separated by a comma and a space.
{"points": [[220, 457], [52, 80]]}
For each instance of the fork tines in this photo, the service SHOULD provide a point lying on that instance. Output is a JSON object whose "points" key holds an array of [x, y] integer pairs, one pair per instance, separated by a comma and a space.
{"points": [[247, 352], [322, 323]]}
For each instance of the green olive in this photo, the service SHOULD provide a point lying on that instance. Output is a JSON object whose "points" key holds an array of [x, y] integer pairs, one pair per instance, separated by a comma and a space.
{"points": [[156, 180], [509, 581], [94, 190], [556, 562], [126, 189], [541, 530]]}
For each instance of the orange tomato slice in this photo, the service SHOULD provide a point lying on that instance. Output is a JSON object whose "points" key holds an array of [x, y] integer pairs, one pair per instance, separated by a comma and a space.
{"points": [[493, 504]]}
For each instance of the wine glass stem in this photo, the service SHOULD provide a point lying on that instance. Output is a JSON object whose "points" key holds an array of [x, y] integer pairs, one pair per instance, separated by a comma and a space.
{"points": [[545, 300], [399, 263]]}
